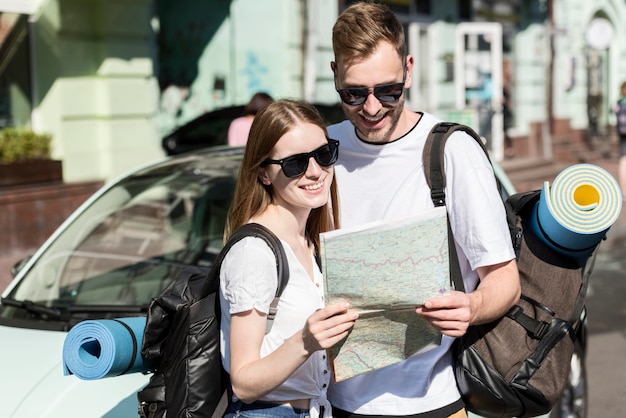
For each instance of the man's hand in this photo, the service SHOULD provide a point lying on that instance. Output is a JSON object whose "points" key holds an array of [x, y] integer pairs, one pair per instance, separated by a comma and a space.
{"points": [[450, 314], [498, 290]]}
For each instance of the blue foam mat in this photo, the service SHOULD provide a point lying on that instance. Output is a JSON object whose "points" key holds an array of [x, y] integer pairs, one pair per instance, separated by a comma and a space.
{"points": [[575, 213], [94, 349]]}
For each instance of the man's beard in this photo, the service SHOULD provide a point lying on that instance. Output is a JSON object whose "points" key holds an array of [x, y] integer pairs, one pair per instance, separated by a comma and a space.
{"points": [[384, 135]]}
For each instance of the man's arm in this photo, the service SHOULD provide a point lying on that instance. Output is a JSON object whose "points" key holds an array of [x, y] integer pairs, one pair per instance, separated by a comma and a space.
{"points": [[499, 289]]}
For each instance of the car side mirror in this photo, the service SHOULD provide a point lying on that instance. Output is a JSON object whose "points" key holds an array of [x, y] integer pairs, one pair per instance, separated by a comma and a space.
{"points": [[19, 265]]}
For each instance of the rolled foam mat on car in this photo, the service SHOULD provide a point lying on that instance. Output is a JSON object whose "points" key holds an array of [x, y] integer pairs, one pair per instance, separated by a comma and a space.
{"points": [[573, 215], [99, 348]]}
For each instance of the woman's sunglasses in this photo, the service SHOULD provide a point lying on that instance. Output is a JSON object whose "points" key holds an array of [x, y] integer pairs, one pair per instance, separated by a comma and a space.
{"points": [[296, 165]]}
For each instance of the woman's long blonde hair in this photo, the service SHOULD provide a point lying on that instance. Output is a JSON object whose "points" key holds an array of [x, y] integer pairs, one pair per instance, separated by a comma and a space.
{"points": [[252, 197]]}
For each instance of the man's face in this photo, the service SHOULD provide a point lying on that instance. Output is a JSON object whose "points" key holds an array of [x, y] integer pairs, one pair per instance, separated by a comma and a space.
{"points": [[375, 120]]}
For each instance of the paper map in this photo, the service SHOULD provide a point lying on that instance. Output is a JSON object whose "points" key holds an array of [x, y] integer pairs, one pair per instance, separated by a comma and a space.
{"points": [[385, 270]]}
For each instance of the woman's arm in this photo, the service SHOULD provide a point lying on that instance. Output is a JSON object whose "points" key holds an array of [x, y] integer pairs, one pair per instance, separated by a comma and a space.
{"points": [[252, 376]]}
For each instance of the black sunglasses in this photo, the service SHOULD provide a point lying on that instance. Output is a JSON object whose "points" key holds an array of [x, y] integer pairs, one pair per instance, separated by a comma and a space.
{"points": [[296, 165], [385, 93]]}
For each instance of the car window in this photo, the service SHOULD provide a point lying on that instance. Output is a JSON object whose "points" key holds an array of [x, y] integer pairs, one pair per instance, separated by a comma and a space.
{"points": [[212, 133], [207, 130], [210, 129], [135, 238]]}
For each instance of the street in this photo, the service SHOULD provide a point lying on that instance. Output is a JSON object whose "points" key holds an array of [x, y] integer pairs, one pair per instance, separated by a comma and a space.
{"points": [[607, 330]]}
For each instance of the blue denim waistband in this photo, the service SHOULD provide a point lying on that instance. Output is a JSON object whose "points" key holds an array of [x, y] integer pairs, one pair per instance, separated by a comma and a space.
{"points": [[267, 410]]}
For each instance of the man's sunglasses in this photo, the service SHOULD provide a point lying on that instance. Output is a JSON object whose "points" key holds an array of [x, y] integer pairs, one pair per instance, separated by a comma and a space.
{"points": [[385, 93], [296, 165]]}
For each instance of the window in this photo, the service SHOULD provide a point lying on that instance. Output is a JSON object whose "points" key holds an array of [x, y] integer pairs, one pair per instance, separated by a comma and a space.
{"points": [[15, 87]]}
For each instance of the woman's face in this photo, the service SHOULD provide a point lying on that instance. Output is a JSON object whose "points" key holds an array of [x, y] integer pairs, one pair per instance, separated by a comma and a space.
{"points": [[309, 190]]}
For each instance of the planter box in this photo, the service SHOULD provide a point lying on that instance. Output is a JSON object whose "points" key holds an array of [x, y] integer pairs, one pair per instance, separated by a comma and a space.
{"points": [[31, 213], [29, 172]]}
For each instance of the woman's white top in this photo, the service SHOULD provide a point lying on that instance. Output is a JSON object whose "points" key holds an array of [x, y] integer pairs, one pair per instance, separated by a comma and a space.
{"points": [[248, 280]]}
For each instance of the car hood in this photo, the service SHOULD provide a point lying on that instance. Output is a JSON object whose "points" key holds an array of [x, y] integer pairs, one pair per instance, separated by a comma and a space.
{"points": [[32, 382]]}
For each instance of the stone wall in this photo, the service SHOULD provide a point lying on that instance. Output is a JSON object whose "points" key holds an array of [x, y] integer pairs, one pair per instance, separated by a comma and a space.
{"points": [[30, 214]]}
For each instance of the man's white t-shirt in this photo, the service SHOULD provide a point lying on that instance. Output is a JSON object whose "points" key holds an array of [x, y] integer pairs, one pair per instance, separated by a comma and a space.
{"points": [[385, 181]]}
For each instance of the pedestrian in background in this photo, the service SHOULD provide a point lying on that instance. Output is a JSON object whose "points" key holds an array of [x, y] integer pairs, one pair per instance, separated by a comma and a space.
{"points": [[381, 150], [620, 113], [239, 128]]}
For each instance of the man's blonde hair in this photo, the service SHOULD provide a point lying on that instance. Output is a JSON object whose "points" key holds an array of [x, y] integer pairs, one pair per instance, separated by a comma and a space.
{"points": [[360, 28]]}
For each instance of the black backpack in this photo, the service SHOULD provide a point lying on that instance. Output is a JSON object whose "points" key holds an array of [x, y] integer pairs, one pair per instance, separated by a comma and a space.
{"points": [[182, 336], [516, 366]]}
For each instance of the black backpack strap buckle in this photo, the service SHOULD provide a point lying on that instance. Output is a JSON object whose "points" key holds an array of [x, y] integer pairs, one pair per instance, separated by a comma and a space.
{"points": [[438, 197], [536, 329]]}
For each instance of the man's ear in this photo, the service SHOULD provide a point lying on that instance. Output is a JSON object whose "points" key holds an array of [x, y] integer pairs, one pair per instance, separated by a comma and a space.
{"points": [[332, 66], [409, 71]]}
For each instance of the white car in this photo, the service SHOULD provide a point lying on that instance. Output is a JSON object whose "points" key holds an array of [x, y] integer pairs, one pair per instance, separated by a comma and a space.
{"points": [[115, 253], [107, 260]]}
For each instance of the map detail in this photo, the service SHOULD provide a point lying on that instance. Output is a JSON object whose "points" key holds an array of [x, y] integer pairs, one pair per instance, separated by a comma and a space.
{"points": [[385, 270]]}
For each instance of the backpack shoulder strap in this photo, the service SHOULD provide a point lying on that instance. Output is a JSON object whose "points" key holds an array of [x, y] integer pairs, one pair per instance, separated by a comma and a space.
{"points": [[433, 157], [282, 266], [434, 170]]}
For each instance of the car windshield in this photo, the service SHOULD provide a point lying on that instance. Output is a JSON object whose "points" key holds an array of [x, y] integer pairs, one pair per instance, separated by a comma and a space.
{"points": [[133, 239]]}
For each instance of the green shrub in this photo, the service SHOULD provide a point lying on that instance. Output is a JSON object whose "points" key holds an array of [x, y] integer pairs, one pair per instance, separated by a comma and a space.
{"points": [[18, 144]]}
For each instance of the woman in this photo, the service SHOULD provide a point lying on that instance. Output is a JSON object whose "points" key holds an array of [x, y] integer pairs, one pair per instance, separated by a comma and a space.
{"points": [[284, 184]]}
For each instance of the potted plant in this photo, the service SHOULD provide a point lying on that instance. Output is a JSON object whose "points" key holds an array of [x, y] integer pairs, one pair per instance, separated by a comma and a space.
{"points": [[25, 158]]}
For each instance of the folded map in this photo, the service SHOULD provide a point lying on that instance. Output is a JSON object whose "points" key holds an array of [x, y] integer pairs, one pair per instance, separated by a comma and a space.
{"points": [[385, 270]]}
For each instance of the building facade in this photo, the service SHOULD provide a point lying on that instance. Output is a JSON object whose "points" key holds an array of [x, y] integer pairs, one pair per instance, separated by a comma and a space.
{"points": [[109, 78]]}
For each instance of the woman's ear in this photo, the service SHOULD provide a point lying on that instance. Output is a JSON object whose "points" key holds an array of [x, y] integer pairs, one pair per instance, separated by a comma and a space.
{"points": [[263, 176]]}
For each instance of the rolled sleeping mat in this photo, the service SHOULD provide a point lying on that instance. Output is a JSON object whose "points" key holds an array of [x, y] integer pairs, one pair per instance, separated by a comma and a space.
{"points": [[574, 215], [94, 349]]}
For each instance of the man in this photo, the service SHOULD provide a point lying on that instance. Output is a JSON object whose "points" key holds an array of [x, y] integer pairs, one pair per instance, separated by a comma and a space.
{"points": [[380, 176]]}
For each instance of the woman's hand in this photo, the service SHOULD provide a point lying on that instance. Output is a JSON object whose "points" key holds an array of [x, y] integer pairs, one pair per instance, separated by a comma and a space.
{"points": [[253, 376], [327, 326]]}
